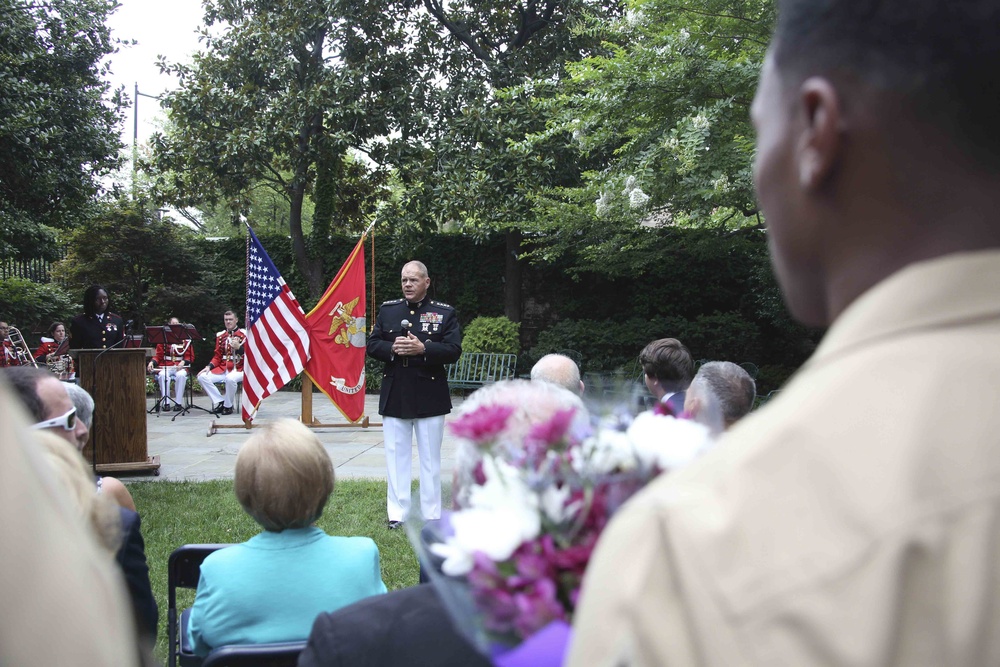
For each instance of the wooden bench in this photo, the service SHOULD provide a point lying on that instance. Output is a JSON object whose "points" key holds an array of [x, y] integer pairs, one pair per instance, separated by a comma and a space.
{"points": [[477, 369]]}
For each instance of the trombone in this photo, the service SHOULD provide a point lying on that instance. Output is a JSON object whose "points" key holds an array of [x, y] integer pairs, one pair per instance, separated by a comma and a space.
{"points": [[24, 357]]}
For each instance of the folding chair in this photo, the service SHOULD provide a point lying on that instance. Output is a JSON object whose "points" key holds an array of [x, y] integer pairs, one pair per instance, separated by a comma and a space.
{"points": [[255, 655], [183, 571]]}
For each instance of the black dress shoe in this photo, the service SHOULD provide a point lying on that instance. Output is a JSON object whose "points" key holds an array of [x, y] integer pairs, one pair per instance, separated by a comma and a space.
{"points": [[393, 525], [217, 409], [227, 411], [177, 407]]}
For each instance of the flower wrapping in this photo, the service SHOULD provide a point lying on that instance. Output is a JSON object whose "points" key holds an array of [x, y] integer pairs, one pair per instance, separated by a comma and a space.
{"points": [[541, 481]]}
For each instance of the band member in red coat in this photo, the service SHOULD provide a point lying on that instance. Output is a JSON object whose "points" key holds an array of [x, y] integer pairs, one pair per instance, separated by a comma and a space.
{"points": [[226, 366], [60, 364], [172, 362], [8, 354]]}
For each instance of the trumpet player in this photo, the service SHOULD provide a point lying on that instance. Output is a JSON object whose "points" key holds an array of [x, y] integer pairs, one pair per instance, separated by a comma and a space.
{"points": [[172, 362], [226, 365]]}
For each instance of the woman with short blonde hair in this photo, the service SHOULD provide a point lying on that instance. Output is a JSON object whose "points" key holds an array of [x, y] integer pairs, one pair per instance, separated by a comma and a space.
{"points": [[271, 587]]}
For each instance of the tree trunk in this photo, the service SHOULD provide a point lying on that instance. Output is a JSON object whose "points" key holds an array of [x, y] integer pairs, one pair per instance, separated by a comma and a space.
{"points": [[311, 269], [512, 275]]}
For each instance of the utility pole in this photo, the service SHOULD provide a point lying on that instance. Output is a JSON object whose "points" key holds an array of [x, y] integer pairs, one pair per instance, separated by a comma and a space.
{"points": [[135, 132]]}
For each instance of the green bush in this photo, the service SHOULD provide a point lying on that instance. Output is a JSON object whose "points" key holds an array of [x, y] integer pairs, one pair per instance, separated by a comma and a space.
{"points": [[30, 306], [491, 334], [609, 345]]}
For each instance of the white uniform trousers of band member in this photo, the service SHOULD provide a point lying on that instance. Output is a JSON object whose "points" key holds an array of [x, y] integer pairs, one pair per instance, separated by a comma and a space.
{"points": [[208, 380], [398, 434], [165, 374]]}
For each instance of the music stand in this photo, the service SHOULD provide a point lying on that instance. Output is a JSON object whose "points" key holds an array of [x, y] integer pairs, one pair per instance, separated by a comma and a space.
{"points": [[175, 334]]}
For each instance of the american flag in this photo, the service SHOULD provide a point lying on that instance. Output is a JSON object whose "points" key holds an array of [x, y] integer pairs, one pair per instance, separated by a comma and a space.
{"points": [[277, 344]]}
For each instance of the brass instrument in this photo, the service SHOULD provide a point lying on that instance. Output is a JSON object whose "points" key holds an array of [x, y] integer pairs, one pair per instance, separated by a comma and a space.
{"points": [[60, 363], [234, 344], [24, 357]]}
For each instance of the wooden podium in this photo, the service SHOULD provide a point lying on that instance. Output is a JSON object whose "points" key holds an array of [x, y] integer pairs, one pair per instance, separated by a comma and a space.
{"points": [[116, 378]]}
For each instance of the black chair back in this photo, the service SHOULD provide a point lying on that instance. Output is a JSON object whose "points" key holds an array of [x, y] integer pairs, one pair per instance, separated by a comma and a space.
{"points": [[183, 571], [256, 655]]}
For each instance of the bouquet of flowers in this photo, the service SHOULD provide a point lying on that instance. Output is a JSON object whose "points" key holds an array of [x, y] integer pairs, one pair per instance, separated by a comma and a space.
{"points": [[542, 480]]}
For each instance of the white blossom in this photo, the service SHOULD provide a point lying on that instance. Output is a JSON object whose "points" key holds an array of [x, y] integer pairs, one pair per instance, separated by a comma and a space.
{"points": [[667, 442], [603, 204], [700, 122], [637, 198]]}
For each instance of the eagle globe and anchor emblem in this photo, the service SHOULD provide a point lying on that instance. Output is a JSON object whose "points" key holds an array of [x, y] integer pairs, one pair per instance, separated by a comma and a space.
{"points": [[348, 331]]}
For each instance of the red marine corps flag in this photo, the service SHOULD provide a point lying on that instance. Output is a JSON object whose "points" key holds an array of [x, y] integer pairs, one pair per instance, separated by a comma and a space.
{"points": [[277, 344], [337, 331]]}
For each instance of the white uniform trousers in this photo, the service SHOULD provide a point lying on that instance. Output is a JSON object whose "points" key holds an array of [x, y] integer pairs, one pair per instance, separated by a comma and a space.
{"points": [[179, 375], [398, 435], [208, 380]]}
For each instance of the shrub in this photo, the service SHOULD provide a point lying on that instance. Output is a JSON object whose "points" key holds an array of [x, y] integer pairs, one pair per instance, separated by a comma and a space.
{"points": [[491, 334], [29, 305]]}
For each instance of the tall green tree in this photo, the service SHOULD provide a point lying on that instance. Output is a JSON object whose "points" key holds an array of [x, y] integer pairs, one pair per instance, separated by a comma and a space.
{"points": [[284, 89], [668, 110], [58, 118]]}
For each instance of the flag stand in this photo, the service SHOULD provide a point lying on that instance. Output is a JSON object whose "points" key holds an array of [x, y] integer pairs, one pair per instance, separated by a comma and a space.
{"points": [[307, 410]]}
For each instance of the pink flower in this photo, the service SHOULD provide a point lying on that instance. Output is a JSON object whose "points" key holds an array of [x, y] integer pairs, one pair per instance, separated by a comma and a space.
{"points": [[554, 430], [483, 424], [537, 606]]}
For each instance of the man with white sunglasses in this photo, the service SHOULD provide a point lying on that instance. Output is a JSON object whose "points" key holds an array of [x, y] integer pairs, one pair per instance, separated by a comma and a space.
{"points": [[46, 399]]}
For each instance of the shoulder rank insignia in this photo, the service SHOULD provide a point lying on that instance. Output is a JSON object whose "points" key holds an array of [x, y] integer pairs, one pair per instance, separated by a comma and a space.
{"points": [[386, 303], [442, 304]]}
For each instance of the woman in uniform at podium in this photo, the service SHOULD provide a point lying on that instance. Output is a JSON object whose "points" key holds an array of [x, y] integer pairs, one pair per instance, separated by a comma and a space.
{"points": [[97, 327]]}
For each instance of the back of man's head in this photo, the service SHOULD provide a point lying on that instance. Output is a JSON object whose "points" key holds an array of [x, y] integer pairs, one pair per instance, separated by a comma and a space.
{"points": [[558, 369], [941, 58], [668, 361], [24, 380], [725, 384]]}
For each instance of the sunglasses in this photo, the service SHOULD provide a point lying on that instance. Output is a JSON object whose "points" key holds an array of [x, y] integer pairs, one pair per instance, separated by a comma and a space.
{"points": [[67, 421]]}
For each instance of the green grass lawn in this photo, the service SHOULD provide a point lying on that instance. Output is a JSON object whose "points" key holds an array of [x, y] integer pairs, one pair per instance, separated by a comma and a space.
{"points": [[178, 513]]}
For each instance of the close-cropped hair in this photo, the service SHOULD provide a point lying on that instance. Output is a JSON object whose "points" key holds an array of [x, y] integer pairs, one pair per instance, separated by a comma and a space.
{"points": [[943, 55], [283, 476], [668, 361], [97, 511], [228, 312], [421, 267], [729, 384], [82, 401], [24, 380], [90, 297]]}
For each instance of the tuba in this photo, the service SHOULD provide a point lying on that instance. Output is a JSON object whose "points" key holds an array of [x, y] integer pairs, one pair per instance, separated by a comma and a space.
{"points": [[24, 357]]}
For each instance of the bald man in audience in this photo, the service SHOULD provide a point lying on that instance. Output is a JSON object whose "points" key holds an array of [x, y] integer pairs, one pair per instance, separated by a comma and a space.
{"points": [[558, 369], [720, 394]]}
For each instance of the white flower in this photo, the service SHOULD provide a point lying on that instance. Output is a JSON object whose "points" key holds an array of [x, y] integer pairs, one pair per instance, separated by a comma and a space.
{"points": [[684, 34], [700, 122], [630, 184], [637, 198], [609, 451], [603, 204], [667, 442], [554, 506]]}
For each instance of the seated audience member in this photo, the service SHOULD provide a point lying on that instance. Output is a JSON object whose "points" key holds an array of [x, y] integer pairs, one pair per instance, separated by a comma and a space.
{"points": [[668, 369], [85, 412], [720, 394], [558, 369], [409, 627], [61, 599], [855, 520], [49, 402], [98, 512], [271, 587]]}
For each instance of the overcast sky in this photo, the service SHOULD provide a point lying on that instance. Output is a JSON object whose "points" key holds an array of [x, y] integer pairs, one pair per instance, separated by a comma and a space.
{"points": [[166, 29]]}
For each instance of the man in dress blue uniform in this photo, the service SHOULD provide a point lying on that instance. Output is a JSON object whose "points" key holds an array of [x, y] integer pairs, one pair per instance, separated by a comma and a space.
{"points": [[415, 337], [96, 328]]}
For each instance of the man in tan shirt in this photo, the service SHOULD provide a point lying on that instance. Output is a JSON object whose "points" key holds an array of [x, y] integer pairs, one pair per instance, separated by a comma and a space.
{"points": [[855, 520]]}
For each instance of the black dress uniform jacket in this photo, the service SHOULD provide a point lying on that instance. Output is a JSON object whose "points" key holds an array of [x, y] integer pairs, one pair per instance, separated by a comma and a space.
{"points": [[415, 386], [88, 333]]}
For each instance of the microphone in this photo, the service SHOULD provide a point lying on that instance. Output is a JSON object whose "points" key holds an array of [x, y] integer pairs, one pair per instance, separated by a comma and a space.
{"points": [[406, 326]]}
